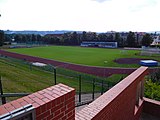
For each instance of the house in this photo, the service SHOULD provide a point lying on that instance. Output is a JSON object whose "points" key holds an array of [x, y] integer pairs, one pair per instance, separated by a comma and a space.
{"points": [[156, 40]]}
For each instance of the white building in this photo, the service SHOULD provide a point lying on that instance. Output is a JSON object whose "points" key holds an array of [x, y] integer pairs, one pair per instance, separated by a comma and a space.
{"points": [[156, 40], [100, 44]]}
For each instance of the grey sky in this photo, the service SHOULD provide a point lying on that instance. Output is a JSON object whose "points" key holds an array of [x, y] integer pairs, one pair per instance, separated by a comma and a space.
{"points": [[85, 15], [101, 0]]}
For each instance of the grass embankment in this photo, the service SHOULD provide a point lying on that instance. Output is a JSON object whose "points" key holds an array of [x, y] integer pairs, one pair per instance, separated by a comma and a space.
{"points": [[80, 55], [18, 77]]}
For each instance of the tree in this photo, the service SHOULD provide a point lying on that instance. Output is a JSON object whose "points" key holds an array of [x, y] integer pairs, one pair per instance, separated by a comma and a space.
{"points": [[84, 36], [29, 38], [39, 38], [131, 40], [74, 38], [1, 37], [119, 40], [91, 36], [102, 37], [7, 38], [65, 39], [17, 38], [33, 37], [24, 39], [110, 38], [146, 40]]}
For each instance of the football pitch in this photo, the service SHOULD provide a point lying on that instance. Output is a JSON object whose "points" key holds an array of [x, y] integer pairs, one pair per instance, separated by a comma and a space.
{"points": [[80, 55]]}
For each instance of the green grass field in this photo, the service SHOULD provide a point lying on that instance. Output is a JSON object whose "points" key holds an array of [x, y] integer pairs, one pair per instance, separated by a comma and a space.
{"points": [[80, 55], [18, 77]]}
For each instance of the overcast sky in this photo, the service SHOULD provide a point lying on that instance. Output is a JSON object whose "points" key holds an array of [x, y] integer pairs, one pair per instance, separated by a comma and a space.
{"points": [[83, 15]]}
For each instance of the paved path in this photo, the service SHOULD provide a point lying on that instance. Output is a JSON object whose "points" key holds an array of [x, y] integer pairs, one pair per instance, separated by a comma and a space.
{"points": [[84, 98]]}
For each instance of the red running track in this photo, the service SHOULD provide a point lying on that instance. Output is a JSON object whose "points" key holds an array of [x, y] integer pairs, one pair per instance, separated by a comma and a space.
{"points": [[98, 71]]}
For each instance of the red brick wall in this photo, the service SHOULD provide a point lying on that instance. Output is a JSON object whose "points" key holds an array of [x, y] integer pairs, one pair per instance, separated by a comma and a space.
{"points": [[53, 103], [151, 107], [119, 103]]}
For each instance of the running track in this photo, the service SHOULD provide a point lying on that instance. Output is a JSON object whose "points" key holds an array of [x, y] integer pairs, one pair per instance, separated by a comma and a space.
{"points": [[94, 70]]}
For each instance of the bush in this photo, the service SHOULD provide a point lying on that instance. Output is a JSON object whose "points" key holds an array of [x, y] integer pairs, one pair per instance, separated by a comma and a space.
{"points": [[152, 90], [155, 76]]}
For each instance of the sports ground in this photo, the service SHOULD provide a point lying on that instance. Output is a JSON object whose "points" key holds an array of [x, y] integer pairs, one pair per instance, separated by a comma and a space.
{"points": [[87, 56], [109, 64]]}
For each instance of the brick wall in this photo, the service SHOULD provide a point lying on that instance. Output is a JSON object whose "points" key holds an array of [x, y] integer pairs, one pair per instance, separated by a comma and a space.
{"points": [[122, 102], [53, 103], [119, 103]]}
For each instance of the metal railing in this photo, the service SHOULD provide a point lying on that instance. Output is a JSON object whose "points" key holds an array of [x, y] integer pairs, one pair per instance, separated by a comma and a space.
{"points": [[96, 84], [4, 95], [80, 93], [24, 113]]}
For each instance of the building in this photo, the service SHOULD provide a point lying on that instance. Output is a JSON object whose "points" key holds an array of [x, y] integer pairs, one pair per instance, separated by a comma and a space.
{"points": [[156, 40], [99, 44]]}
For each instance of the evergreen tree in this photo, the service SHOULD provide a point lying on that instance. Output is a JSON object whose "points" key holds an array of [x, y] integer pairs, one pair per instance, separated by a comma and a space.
{"points": [[146, 40], [131, 39], [1, 37], [118, 39]]}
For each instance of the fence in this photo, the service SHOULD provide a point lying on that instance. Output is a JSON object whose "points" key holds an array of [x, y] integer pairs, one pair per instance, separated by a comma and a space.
{"points": [[81, 98], [57, 102], [87, 85]]}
